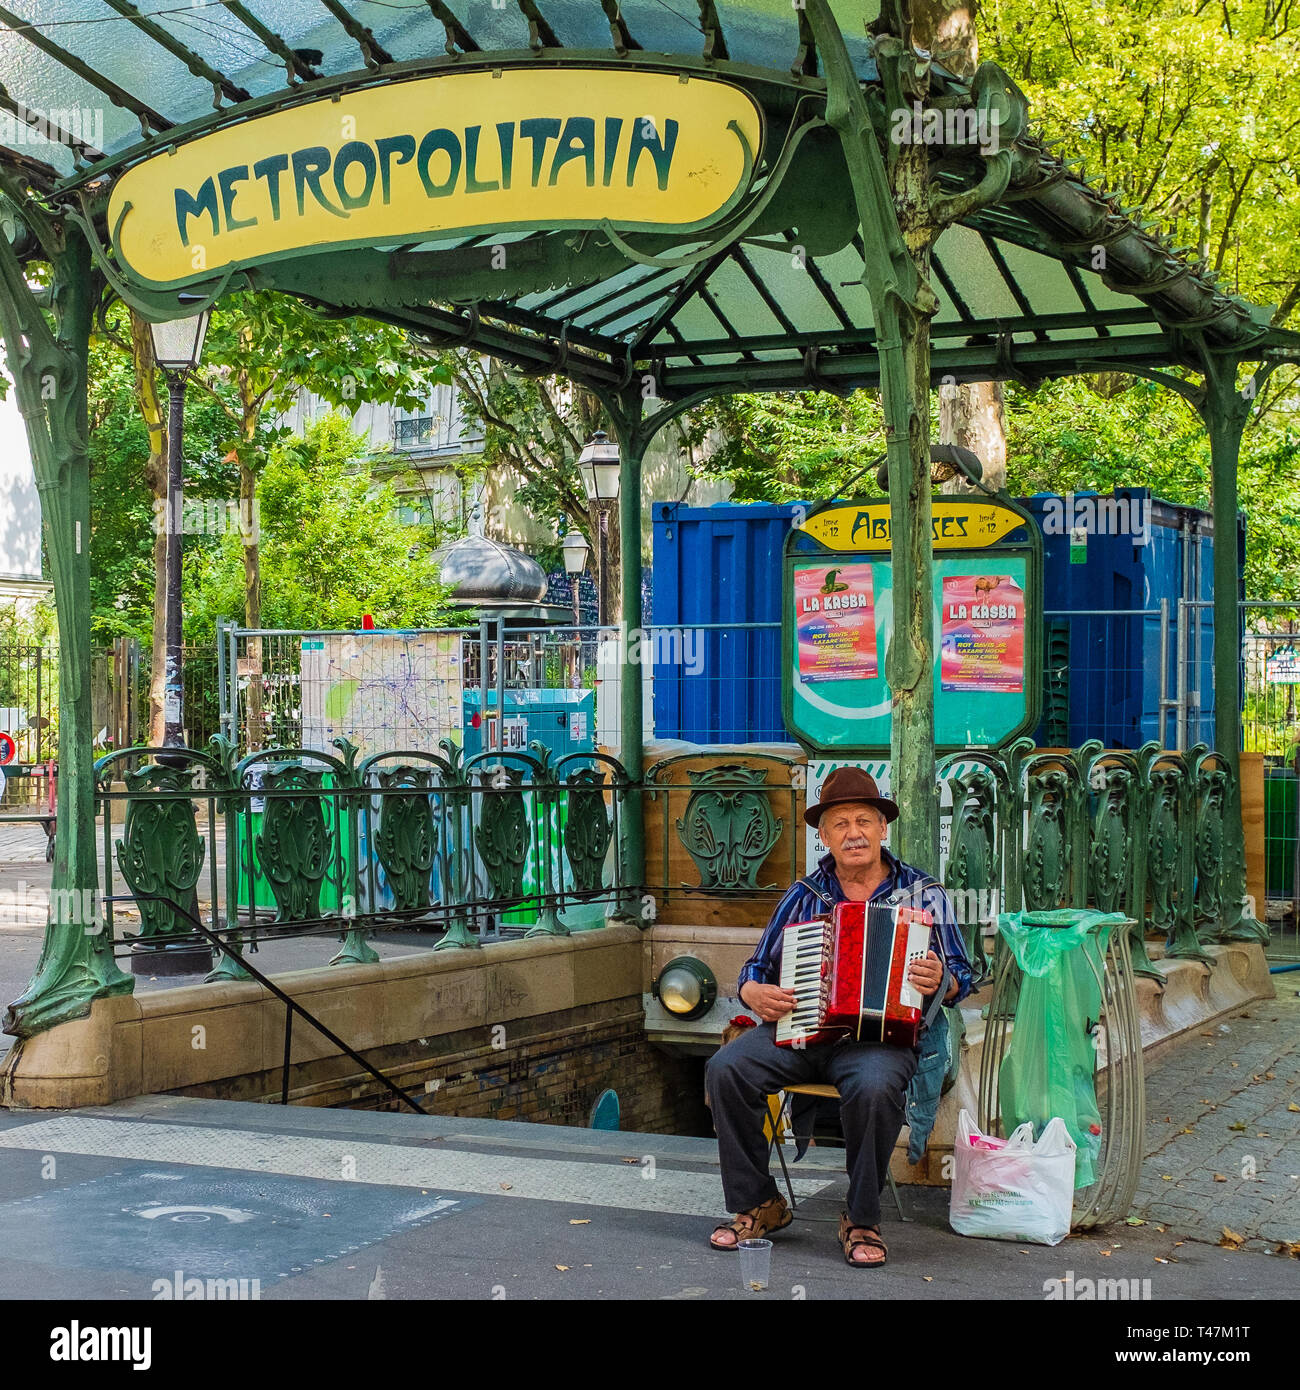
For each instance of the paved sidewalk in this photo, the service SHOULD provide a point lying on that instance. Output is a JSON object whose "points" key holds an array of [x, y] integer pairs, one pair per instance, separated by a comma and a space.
{"points": [[326, 1204], [1223, 1128]]}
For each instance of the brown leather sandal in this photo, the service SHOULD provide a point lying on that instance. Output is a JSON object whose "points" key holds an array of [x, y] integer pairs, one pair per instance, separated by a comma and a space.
{"points": [[772, 1215], [867, 1237]]}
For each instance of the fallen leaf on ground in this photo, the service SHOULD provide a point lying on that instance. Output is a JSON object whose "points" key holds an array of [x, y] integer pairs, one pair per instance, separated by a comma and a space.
{"points": [[1293, 1106], [561, 1267], [1134, 1221], [504, 1186], [1187, 1131], [1239, 1126], [1103, 1252], [1230, 1240], [631, 1160], [929, 1278], [1166, 1177], [1270, 1076], [1219, 1177], [1234, 1064], [1291, 1247], [1205, 1033], [585, 1222]]}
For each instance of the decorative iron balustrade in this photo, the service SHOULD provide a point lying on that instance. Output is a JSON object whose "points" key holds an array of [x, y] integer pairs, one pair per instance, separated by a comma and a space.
{"points": [[415, 432], [294, 841], [297, 842], [1145, 833]]}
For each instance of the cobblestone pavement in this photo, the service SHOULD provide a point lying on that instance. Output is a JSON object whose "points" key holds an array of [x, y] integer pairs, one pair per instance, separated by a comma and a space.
{"points": [[1223, 1127]]}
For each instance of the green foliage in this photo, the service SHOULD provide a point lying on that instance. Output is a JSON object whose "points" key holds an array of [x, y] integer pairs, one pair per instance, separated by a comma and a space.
{"points": [[332, 548], [792, 445], [122, 518], [30, 627], [1185, 108], [262, 348]]}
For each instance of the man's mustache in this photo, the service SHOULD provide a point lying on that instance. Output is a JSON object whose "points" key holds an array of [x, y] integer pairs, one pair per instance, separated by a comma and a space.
{"points": [[857, 842]]}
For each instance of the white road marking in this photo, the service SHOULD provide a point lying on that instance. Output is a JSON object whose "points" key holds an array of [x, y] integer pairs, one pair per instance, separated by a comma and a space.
{"points": [[495, 1175]]}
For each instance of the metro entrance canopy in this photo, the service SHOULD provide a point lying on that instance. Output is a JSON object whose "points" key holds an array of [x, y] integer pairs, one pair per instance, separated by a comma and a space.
{"points": [[598, 190], [662, 203]]}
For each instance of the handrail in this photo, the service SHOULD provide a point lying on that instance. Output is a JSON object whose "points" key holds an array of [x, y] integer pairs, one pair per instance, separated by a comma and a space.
{"points": [[291, 1005]]}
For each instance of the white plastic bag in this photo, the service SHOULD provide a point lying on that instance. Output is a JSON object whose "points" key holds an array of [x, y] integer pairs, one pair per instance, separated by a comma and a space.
{"points": [[1013, 1189]]}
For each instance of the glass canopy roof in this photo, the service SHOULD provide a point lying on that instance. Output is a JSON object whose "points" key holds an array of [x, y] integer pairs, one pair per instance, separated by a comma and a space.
{"points": [[90, 87]]}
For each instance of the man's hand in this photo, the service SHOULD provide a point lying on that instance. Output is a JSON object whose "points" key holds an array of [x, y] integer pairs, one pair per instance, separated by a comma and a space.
{"points": [[926, 975], [769, 1002]]}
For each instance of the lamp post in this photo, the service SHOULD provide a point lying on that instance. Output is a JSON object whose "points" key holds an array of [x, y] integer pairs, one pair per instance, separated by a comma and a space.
{"points": [[599, 465], [177, 346], [576, 550]]}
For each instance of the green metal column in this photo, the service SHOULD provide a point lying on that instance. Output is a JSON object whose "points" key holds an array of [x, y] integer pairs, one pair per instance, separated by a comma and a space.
{"points": [[49, 370], [897, 298], [633, 438], [1225, 408]]}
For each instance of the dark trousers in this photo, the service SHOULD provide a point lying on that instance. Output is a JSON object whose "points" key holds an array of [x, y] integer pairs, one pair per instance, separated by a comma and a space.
{"points": [[872, 1081]]}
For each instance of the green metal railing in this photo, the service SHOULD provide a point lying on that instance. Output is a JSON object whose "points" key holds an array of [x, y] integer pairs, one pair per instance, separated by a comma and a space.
{"points": [[298, 842], [1145, 833]]}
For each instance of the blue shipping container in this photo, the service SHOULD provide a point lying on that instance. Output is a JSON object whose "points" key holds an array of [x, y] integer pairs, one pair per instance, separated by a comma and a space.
{"points": [[719, 569]]}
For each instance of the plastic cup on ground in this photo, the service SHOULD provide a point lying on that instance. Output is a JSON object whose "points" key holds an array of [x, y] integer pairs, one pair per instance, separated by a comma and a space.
{"points": [[755, 1264]]}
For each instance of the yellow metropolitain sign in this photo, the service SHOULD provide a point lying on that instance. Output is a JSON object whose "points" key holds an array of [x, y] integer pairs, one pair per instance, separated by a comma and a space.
{"points": [[459, 152], [954, 525]]}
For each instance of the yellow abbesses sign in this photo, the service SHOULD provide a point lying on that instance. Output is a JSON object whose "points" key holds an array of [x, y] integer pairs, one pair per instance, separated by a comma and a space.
{"points": [[955, 525], [463, 151]]}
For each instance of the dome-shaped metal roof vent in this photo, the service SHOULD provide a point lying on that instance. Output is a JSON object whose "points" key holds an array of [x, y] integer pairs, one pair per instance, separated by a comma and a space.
{"points": [[481, 570], [490, 577]]}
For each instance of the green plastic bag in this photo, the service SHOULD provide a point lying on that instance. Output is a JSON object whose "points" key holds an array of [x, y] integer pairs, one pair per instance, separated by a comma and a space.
{"points": [[1051, 1061]]}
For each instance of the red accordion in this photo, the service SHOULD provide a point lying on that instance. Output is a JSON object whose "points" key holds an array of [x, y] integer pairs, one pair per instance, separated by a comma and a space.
{"points": [[848, 972]]}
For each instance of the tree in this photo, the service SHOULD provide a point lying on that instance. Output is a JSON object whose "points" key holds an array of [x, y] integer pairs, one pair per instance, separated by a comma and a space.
{"points": [[261, 349], [332, 547], [970, 413], [127, 490], [793, 445]]}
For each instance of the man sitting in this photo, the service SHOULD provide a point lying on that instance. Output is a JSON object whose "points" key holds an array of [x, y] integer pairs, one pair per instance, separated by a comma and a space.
{"points": [[872, 1078]]}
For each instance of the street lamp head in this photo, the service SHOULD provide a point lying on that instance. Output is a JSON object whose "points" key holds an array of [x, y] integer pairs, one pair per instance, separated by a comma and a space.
{"points": [[576, 550], [599, 465], [178, 343]]}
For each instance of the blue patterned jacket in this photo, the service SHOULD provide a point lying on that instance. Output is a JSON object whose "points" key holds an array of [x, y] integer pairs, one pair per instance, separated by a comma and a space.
{"points": [[800, 904]]}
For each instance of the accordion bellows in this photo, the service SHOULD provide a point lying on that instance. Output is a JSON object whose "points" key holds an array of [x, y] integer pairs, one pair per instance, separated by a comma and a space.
{"points": [[848, 972]]}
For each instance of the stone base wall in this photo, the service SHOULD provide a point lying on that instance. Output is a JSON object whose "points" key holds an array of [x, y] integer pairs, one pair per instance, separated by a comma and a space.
{"points": [[531, 1030], [546, 1070]]}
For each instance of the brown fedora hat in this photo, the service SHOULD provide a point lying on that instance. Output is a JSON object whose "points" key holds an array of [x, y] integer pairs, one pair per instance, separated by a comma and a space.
{"points": [[850, 784]]}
